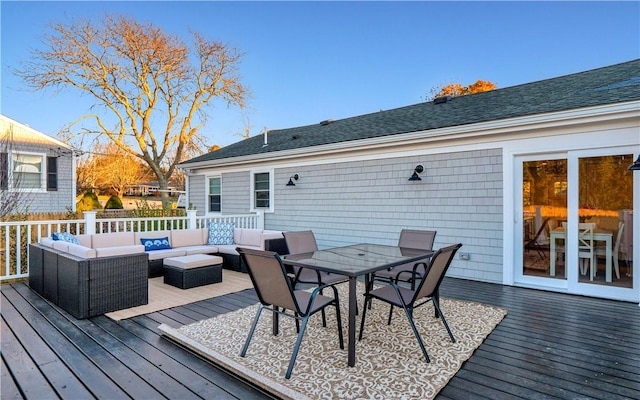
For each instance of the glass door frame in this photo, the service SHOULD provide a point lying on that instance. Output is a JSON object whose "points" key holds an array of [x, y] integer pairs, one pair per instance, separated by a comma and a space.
{"points": [[571, 284], [519, 276]]}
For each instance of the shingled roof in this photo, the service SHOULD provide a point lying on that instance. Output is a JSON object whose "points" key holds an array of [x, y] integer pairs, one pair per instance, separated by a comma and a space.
{"points": [[608, 85]]}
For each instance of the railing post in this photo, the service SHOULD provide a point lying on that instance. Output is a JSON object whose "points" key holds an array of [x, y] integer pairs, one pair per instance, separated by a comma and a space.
{"points": [[191, 219], [89, 222], [260, 219]]}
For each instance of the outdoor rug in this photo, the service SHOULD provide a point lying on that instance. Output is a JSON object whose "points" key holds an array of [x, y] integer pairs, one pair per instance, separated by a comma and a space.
{"points": [[389, 363], [162, 297]]}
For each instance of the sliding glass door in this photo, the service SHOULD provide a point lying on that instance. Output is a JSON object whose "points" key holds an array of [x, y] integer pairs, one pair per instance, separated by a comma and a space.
{"points": [[576, 222], [544, 208]]}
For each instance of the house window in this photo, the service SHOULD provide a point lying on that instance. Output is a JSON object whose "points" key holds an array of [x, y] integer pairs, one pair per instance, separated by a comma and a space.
{"points": [[27, 171], [215, 194], [261, 190], [4, 171], [52, 173]]}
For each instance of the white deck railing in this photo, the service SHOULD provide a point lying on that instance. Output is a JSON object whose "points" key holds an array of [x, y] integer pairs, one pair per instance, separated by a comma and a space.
{"points": [[16, 236]]}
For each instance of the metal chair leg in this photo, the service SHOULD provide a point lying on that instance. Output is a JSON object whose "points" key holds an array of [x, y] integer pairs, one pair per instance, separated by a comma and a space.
{"points": [[253, 328], [296, 347]]}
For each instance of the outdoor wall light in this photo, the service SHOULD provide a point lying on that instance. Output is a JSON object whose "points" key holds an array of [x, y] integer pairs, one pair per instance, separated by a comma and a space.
{"points": [[418, 170], [635, 166], [293, 178]]}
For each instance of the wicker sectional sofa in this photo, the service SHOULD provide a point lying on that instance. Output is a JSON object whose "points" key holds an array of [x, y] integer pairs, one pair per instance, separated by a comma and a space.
{"points": [[182, 242], [86, 287], [109, 271]]}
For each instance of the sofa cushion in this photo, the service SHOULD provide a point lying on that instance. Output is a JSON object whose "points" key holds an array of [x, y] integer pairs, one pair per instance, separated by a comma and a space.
{"points": [[237, 235], [100, 240], [271, 235], [160, 254], [119, 250], [153, 235], [231, 249], [221, 233], [81, 251], [251, 237], [47, 241], [189, 237], [84, 239], [61, 245], [65, 237], [155, 244], [204, 249]]}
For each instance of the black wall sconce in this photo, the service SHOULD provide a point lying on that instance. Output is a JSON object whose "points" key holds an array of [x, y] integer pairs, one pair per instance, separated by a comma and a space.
{"points": [[293, 178], [635, 166], [418, 170]]}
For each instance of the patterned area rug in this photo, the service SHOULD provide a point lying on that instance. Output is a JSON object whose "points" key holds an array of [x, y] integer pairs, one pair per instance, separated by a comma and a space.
{"points": [[389, 362]]}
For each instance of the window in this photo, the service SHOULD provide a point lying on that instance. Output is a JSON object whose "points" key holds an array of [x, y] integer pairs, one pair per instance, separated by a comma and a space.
{"points": [[215, 192], [52, 173], [4, 171], [261, 190], [27, 171]]}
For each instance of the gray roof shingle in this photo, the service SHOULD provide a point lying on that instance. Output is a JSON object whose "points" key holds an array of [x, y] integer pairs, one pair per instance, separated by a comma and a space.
{"points": [[608, 85]]}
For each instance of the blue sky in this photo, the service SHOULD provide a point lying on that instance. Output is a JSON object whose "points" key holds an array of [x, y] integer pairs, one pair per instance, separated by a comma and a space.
{"points": [[306, 62]]}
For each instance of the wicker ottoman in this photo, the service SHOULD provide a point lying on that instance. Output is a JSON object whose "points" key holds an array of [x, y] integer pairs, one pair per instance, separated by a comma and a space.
{"points": [[190, 271]]}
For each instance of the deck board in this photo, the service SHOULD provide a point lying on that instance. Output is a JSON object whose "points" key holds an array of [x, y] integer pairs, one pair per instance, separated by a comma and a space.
{"points": [[550, 345]]}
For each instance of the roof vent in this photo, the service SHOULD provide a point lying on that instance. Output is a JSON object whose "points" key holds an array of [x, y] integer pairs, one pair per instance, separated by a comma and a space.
{"points": [[441, 100], [326, 122], [294, 137]]}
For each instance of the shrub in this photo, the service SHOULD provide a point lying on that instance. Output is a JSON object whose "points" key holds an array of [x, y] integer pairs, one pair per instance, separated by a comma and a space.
{"points": [[114, 203], [88, 202]]}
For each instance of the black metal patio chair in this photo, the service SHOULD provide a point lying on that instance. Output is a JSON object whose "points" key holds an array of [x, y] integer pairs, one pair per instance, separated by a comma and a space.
{"points": [[410, 239], [276, 294], [409, 299]]}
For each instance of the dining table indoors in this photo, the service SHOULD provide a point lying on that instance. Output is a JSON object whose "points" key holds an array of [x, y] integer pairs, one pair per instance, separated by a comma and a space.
{"points": [[598, 235], [355, 261]]}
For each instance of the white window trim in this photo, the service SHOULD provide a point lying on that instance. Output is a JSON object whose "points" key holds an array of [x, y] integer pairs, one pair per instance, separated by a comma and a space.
{"points": [[43, 172], [206, 195], [252, 196]]}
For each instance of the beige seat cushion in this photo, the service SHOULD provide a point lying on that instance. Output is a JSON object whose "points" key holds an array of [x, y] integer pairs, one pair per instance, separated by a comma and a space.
{"points": [[189, 237], [113, 239], [193, 261]]}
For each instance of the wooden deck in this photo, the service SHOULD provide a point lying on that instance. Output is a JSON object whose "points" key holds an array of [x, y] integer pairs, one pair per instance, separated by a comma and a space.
{"points": [[550, 345]]}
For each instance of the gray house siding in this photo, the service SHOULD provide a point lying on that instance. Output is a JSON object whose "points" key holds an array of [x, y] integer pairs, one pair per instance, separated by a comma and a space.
{"points": [[18, 138], [196, 189], [236, 192], [59, 200], [460, 196]]}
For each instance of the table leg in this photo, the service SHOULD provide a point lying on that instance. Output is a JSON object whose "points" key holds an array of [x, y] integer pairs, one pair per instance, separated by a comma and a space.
{"points": [[275, 324], [552, 256], [351, 345], [609, 257]]}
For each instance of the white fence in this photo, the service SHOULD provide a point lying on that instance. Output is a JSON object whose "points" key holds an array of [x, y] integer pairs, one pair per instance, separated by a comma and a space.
{"points": [[16, 236]]}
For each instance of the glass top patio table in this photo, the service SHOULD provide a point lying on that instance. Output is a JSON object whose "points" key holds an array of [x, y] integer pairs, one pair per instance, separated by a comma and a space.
{"points": [[353, 261], [357, 259]]}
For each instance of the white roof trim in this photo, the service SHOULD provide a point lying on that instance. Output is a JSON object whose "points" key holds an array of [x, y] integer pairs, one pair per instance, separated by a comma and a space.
{"points": [[36, 132]]}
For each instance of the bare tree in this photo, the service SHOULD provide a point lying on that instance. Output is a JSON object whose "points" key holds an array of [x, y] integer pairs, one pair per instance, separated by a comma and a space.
{"points": [[246, 131], [152, 88], [85, 173], [116, 170]]}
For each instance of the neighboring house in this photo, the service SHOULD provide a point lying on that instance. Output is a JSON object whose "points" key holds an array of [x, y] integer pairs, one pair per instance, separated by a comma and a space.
{"points": [[151, 189], [487, 170], [36, 171]]}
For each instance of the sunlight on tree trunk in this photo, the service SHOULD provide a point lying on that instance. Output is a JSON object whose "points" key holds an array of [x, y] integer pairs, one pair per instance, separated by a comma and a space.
{"points": [[150, 88]]}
